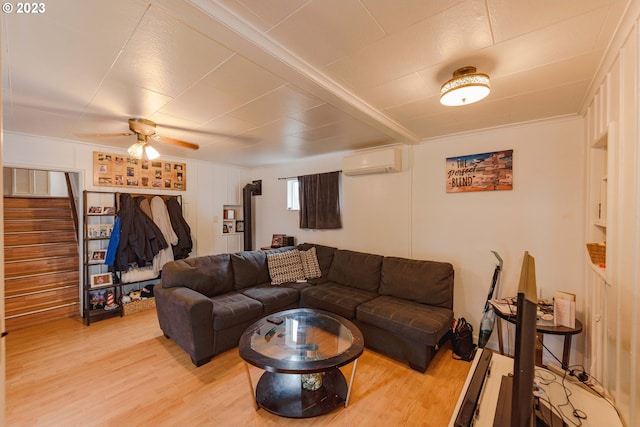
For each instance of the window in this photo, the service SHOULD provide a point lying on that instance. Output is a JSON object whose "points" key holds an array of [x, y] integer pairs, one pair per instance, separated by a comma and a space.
{"points": [[293, 196]]}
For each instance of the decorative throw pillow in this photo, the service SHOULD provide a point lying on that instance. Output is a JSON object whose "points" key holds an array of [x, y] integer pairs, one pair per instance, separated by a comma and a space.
{"points": [[310, 264], [285, 267]]}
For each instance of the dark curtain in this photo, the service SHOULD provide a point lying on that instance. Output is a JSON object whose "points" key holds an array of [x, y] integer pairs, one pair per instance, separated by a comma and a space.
{"points": [[320, 201]]}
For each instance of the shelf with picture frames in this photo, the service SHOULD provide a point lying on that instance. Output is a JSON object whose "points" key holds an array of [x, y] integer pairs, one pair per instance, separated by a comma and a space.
{"points": [[101, 295], [103, 290], [232, 219]]}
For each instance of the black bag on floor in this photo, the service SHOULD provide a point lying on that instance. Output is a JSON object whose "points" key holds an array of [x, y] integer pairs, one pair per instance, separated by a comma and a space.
{"points": [[462, 340]]}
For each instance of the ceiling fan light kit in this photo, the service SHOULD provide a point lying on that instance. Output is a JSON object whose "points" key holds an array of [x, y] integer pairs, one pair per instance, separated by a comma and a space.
{"points": [[466, 87], [151, 152], [143, 129], [136, 150], [142, 126], [141, 148]]}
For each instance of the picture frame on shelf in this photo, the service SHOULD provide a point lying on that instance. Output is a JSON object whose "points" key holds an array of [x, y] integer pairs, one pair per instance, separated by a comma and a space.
{"points": [[98, 256], [240, 226], [94, 210], [225, 229], [97, 299], [93, 231], [109, 210], [101, 280], [277, 240], [105, 230]]}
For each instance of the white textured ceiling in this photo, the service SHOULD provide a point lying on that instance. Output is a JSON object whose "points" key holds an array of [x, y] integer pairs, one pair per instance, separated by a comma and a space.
{"points": [[257, 82]]}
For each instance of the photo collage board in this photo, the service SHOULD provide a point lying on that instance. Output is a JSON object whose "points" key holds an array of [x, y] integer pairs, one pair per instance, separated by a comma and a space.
{"points": [[116, 170]]}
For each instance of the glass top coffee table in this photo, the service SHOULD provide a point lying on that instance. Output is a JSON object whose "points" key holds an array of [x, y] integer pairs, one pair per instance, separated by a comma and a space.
{"points": [[301, 351]]}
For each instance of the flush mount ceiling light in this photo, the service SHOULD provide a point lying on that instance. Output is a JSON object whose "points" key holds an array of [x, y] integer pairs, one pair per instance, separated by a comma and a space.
{"points": [[142, 147], [466, 87]]}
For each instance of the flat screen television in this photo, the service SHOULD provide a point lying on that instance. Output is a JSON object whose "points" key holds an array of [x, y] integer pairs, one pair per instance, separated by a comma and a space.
{"points": [[516, 404]]}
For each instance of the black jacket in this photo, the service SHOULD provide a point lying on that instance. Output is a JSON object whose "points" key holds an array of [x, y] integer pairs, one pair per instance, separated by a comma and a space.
{"points": [[140, 238], [181, 228]]}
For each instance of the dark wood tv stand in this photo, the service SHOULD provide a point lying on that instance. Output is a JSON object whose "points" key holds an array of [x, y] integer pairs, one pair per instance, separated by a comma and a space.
{"points": [[543, 329]]}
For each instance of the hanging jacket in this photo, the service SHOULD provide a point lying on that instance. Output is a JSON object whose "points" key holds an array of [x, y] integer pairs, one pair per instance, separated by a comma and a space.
{"points": [[144, 205], [140, 238], [114, 241], [184, 246], [161, 219]]}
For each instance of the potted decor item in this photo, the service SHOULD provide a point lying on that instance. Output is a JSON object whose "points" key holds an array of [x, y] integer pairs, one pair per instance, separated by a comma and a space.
{"points": [[312, 382]]}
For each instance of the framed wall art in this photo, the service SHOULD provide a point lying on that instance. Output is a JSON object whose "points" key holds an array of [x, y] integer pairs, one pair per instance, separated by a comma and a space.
{"points": [[97, 256], [95, 210], [480, 172], [277, 241], [100, 280], [93, 231], [116, 170]]}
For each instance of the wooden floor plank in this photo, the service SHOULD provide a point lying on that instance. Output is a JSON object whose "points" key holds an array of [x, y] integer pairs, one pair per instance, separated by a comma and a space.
{"points": [[124, 372]]}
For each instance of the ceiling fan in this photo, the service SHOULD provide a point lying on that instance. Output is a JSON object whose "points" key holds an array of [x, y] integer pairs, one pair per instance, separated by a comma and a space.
{"points": [[145, 129]]}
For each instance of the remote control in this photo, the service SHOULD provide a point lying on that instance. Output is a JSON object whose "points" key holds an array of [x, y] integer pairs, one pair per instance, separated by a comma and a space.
{"points": [[276, 320], [270, 334]]}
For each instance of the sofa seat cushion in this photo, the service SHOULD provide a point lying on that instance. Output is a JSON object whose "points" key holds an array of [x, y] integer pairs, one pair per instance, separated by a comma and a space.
{"points": [[419, 322], [233, 308], [273, 298], [338, 299], [356, 269]]}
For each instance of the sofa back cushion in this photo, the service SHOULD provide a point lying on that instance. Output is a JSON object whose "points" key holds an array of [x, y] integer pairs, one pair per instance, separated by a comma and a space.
{"points": [[210, 275], [426, 282], [249, 268], [324, 254], [356, 269]]}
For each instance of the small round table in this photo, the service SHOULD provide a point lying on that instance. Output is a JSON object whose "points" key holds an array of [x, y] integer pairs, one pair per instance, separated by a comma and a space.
{"points": [[299, 348], [543, 329]]}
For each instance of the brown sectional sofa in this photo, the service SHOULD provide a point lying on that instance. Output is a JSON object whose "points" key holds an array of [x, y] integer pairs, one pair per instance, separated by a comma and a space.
{"points": [[403, 307]]}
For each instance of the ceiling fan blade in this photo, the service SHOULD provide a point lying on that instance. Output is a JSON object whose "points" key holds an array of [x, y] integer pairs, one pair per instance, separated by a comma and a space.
{"points": [[102, 135], [177, 142]]}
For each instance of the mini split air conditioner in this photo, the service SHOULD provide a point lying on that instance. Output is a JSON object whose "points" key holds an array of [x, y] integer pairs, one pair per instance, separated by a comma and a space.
{"points": [[378, 161]]}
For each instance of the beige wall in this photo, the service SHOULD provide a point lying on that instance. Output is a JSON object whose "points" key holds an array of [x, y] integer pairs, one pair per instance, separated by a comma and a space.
{"points": [[209, 186], [374, 218], [410, 214], [613, 318]]}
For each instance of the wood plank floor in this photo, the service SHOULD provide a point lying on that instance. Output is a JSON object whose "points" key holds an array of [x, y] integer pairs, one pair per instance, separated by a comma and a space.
{"points": [[124, 372]]}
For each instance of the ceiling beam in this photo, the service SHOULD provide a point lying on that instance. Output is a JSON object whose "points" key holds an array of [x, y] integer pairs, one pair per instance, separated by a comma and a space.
{"points": [[240, 36]]}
